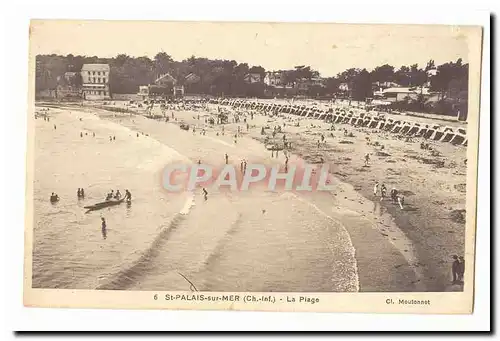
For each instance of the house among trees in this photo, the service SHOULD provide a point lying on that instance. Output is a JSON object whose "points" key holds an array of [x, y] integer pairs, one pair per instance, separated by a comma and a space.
{"points": [[70, 76], [379, 86], [164, 86], [165, 80], [344, 87], [192, 78], [278, 84], [143, 91], [403, 94], [252, 78], [273, 78], [278, 79], [299, 81], [68, 86], [95, 81], [431, 73], [310, 86]]}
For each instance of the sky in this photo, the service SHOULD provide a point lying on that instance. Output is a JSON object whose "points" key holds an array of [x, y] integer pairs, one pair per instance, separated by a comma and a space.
{"points": [[328, 48]]}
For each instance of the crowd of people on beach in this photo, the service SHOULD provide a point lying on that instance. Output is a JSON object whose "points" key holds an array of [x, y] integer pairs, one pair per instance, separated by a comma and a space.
{"points": [[223, 116], [275, 140]]}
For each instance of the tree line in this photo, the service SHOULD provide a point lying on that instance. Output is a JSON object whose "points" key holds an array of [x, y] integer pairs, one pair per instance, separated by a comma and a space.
{"points": [[227, 77]]}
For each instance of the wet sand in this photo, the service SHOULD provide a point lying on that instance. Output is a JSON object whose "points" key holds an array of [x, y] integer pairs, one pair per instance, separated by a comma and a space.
{"points": [[434, 194], [395, 250], [263, 241], [382, 263], [429, 230]]}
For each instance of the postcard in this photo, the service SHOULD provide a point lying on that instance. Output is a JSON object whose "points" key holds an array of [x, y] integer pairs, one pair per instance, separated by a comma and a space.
{"points": [[252, 166]]}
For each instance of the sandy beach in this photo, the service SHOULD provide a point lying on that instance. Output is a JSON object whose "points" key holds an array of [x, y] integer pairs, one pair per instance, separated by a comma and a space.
{"points": [[343, 240]]}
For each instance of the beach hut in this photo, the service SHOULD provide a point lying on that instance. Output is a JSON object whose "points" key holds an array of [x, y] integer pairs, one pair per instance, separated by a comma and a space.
{"points": [[428, 133], [458, 138], [447, 137], [421, 132], [397, 127], [439, 133], [406, 127], [414, 130]]}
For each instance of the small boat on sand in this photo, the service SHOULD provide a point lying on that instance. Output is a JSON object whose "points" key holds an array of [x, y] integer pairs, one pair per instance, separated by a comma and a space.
{"points": [[104, 204]]}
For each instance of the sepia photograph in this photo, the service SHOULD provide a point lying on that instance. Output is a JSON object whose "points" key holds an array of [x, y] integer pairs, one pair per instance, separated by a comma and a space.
{"points": [[252, 166]]}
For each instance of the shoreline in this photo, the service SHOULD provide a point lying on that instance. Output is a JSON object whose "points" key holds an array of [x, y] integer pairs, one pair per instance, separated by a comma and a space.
{"points": [[392, 273], [376, 271], [437, 272]]}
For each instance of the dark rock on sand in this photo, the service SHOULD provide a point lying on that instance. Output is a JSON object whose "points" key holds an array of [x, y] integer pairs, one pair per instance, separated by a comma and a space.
{"points": [[458, 216]]}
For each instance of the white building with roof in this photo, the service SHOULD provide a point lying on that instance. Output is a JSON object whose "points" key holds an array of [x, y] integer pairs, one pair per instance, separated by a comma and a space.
{"points": [[402, 93], [95, 81]]}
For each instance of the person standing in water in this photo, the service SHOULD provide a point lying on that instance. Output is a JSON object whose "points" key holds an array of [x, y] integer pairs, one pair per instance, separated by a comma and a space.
{"points": [[205, 193], [110, 195], [128, 196], [227, 159], [54, 197], [103, 227]]}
